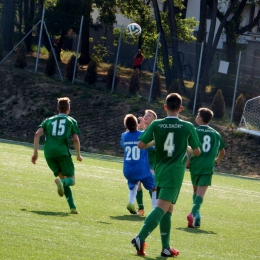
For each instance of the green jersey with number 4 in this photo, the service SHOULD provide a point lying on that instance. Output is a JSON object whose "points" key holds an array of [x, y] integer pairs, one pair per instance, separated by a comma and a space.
{"points": [[171, 136], [58, 130], [211, 143]]}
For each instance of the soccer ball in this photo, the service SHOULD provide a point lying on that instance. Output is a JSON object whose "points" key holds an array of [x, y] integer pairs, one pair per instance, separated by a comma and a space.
{"points": [[134, 30]]}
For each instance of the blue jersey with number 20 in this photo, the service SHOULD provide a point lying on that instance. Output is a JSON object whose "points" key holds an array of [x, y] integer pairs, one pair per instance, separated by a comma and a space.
{"points": [[136, 164]]}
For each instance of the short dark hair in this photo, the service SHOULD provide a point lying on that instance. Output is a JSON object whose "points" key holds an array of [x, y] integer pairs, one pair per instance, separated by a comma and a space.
{"points": [[130, 122], [173, 101], [63, 104], [206, 114]]}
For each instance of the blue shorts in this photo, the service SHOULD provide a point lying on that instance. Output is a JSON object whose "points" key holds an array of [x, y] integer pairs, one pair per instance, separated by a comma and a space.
{"points": [[148, 182]]}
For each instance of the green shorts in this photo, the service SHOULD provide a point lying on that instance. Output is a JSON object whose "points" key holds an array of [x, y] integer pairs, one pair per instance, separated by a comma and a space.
{"points": [[201, 180], [62, 164], [170, 194]]}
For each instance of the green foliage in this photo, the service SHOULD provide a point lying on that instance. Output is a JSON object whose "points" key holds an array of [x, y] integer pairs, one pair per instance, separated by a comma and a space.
{"points": [[110, 76], [134, 84], [20, 61], [192, 99], [91, 74], [70, 68], [1, 48], [143, 14], [226, 83], [99, 52], [218, 105], [239, 108], [157, 86], [174, 87], [50, 67]]}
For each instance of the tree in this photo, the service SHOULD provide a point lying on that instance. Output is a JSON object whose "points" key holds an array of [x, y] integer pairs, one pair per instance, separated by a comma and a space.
{"points": [[171, 26], [230, 20], [8, 24], [218, 105], [66, 15], [29, 8]]}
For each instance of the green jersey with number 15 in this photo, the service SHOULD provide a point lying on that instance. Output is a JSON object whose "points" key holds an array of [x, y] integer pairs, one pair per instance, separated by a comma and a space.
{"points": [[171, 136], [58, 131], [211, 143]]}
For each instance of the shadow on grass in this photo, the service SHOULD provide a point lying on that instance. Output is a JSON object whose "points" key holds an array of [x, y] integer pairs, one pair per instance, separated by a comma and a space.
{"points": [[128, 218], [197, 230], [151, 258], [47, 213]]}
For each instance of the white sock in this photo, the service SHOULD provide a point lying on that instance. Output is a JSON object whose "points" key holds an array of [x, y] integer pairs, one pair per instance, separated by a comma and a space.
{"points": [[132, 194], [154, 200]]}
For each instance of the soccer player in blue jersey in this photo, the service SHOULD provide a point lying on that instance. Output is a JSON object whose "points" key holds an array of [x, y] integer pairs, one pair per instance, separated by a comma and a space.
{"points": [[145, 121], [202, 167], [171, 136], [136, 165], [58, 130]]}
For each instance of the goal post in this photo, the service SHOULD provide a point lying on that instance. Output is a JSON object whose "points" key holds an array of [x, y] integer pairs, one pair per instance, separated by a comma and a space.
{"points": [[250, 120]]}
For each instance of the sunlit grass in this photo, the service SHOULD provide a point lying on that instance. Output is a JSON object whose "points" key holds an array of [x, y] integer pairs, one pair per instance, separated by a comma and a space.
{"points": [[35, 222]]}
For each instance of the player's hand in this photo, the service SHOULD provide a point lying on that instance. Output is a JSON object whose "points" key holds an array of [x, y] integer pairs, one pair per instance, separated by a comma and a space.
{"points": [[79, 158], [34, 158]]}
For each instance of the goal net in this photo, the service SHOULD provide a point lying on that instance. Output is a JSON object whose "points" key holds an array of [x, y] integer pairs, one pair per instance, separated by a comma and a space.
{"points": [[250, 120]]}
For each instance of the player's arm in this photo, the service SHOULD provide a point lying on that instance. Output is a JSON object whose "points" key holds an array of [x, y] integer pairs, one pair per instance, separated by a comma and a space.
{"points": [[188, 160], [141, 125], [221, 154], [142, 145], [36, 140], [195, 151], [76, 144]]}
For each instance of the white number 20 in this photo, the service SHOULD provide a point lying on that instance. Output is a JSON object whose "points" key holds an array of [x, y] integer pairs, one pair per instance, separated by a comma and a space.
{"points": [[132, 153], [169, 145]]}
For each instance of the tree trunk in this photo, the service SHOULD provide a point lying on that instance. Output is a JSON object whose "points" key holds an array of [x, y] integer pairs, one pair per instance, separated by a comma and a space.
{"points": [[176, 64], [167, 68], [8, 24], [60, 44], [28, 22], [84, 55]]}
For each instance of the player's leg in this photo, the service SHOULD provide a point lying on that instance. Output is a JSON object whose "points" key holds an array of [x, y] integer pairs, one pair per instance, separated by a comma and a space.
{"points": [[68, 179], [203, 181], [154, 218], [133, 186], [165, 223], [139, 199], [149, 184], [53, 164]]}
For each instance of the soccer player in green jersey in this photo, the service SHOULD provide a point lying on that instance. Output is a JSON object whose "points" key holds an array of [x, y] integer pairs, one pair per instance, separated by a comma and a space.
{"points": [[145, 121], [58, 130], [202, 167], [171, 136]]}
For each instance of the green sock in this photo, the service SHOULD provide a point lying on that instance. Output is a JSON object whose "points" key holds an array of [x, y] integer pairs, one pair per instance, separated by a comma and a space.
{"points": [[69, 197], [196, 206], [139, 199], [194, 197], [68, 181], [150, 223], [165, 229], [150, 193]]}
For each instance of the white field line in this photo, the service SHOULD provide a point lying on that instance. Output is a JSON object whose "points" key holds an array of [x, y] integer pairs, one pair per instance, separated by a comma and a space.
{"points": [[88, 167]]}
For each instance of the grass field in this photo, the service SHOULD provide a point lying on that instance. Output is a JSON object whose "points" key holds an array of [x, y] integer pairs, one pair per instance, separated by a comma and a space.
{"points": [[35, 224]]}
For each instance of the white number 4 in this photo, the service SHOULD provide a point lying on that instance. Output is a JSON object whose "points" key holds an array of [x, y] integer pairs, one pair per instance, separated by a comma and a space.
{"points": [[169, 144]]}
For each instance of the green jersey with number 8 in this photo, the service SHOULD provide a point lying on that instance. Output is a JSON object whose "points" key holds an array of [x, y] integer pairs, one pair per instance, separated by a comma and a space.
{"points": [[58, 131], [211, 143], [171, 136]]}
